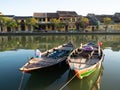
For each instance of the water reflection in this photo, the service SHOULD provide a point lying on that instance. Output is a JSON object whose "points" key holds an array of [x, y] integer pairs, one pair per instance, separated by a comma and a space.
{"points": [[48, 80], [56, 79], [49, 41]]}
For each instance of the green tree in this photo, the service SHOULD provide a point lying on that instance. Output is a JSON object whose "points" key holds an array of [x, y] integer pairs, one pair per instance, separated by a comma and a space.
{"points": [[57, 23], [84, 22], [66, 24], [31, 23], [6, 22], [11, 24], [107, 21]]}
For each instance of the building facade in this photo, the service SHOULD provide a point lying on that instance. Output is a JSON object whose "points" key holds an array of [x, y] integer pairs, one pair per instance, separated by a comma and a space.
{"points": [[58, 21]]}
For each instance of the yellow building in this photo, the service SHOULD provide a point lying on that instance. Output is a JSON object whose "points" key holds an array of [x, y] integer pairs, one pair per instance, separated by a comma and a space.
{"points": [[47, 21]]}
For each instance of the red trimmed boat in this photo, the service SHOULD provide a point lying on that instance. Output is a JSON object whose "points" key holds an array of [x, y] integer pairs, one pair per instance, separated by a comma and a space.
{"points": [[85, 59], [49, 58]]}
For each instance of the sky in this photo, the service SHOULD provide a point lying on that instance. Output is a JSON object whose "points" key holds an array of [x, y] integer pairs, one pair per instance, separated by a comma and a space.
{"points": [[82, 7]]}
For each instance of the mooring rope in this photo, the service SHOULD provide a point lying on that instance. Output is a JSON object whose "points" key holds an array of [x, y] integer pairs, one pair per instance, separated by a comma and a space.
{"points": [[22, 77], [21, 81], [67, 82]]}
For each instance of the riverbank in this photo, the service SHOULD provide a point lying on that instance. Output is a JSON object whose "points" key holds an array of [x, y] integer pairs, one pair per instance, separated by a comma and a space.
{"points": [[57, 33]]}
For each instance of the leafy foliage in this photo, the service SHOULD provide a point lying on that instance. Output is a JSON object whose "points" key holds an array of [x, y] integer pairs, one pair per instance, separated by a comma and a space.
{"points": [[31, 21], [58, 24], [84, 22], [107, 20]]}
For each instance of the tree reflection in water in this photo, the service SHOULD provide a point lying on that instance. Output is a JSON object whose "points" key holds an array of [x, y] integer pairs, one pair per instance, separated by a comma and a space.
{"points": [[49, 41]]}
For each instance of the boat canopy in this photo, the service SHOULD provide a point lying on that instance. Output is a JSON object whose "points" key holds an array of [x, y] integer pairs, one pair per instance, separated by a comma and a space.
{"points": [[88, 48]]}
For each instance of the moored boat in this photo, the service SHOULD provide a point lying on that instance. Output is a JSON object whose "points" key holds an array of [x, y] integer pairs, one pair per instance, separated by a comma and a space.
{"points": [[92, 82], [49, 58], [85, 59]]}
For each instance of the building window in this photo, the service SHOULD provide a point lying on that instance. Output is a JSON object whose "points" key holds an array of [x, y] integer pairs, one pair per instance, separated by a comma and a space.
{"points": [[48, 19], [73, 19], [69, 26]]}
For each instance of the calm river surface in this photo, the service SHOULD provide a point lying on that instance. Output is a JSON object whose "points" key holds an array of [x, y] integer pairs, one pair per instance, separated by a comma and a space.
{"points": [[15, 50]]}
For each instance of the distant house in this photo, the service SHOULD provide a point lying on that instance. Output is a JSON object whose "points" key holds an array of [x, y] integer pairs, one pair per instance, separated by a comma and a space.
{"points": [[51, 16], [1, 13], [115, 21], [116, 17], [21, 20], [44, 20], [9, 16], [66, 17], [69, 18], [117, 14], [101, 17], [67, 13], [61, 20]]}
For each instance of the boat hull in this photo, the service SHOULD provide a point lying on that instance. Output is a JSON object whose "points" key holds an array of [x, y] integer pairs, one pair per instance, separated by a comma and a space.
{"points": [[91, 82], [47, 68], [87, 71]]}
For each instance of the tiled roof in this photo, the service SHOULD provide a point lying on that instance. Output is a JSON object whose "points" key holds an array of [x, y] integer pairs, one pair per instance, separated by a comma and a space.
{"points": [[53, 15], [101, 17], [22, 17], [40, 15], [7, 16], [1, 13], [116, 19], [67, 13], [44, 15]]}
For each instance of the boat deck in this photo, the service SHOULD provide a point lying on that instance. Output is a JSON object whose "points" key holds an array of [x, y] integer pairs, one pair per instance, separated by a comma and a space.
{"points": [[49, 58], [42, 62], [80, 62]]}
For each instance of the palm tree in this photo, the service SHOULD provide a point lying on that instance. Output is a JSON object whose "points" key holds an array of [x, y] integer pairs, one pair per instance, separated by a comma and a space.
{"points": [[13, 25], [31, 22], [7, 24]]}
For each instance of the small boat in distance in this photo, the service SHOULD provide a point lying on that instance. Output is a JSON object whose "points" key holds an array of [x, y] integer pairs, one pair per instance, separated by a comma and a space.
{"points": [[49, 58], [85, 59]]}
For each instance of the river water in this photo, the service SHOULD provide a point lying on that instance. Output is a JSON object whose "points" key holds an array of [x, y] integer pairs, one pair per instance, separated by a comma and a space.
{"points": [[15, 51]]}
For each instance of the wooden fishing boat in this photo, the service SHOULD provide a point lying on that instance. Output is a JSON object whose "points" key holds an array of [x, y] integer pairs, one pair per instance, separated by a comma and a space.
{"points": [[93, 82], [49, 58], [85, 59]]}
